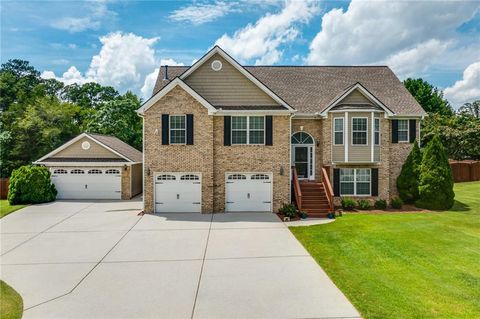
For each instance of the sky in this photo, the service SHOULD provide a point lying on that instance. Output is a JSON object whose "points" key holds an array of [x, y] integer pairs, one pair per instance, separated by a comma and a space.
{"points": [[122, 43]]}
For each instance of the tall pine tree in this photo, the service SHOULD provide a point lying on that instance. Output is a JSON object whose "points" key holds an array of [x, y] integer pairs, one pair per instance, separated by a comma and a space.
{"points": [[407, 181], [436, 180]]}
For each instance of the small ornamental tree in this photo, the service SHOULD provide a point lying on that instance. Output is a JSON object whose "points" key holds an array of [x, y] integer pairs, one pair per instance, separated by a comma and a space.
{"points": [[407, 181], [30, 185], [436, 181]]}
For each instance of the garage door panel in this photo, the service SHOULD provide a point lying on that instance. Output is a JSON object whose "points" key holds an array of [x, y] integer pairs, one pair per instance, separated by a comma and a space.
{"points": [[248, 192], [73, 184], [178, 192]]}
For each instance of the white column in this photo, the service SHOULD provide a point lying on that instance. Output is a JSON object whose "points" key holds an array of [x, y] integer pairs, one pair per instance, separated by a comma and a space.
{"points": [[372, 133], [345, 130]]}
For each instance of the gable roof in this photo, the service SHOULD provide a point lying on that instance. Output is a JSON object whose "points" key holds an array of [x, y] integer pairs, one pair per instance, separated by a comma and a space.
{"points": [[311, 89], [113, 144]]}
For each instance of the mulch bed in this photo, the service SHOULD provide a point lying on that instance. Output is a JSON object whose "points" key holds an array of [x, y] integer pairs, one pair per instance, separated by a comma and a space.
{"points": [[406, 209], [291, 219]]}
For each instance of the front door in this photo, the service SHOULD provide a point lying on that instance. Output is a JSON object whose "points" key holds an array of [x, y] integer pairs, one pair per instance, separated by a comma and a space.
{"points": [[303, 161]]}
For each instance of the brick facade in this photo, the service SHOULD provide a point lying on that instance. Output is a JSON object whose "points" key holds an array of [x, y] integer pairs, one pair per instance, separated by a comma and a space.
{"points": [[126, 182]]}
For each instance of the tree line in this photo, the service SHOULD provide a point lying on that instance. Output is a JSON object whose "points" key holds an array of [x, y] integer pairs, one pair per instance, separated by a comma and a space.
{"points": [[38, 115]]}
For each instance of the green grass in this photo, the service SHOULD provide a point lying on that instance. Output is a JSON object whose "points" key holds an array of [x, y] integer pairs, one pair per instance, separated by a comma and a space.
{"points": [[11, 304], [423, 265], [6, 208]]}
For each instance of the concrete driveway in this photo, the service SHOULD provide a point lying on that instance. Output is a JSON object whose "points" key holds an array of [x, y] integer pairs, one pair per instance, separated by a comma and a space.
{"points": [[100, 260]]}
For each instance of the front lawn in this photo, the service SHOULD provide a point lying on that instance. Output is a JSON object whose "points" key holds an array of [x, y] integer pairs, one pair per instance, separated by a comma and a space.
{"points": [[416, 265], [6, 208], [11, 304]]}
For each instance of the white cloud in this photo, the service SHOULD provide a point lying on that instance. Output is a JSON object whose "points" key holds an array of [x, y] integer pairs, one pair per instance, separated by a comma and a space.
{"points": [[467, 89], [98, 12], [151, 78], [123, 62], [398, 32], [71, 76], [199, 13], [262, 40]]}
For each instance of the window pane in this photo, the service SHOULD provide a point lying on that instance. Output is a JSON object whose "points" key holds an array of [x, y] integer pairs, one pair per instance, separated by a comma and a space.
{"points": [[402, 124], [257, 122], [359, 124], [402, 136], [363, 175], [363, 188], [346, 188], [239, 137], [377, 124], [338, 124], [256, 137], [377, 138], [177, 136], [346, 175], [177, 121], [338, 137], [239, 122], [301, 138], [359, 138]]}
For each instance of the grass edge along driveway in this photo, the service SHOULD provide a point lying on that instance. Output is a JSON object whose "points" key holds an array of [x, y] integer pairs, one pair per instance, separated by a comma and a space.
{"points": [[422, 265], [11, 303], [6, 208]]}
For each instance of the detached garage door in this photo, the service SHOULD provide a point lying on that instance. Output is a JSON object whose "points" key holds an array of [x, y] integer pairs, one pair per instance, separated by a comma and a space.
{"points": [[178, 193], [87, 183], [248, 192]]}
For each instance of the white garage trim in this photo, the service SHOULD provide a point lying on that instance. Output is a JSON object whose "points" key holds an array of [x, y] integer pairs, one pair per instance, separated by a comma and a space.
{"points": [[249, 176], [178, 176]]}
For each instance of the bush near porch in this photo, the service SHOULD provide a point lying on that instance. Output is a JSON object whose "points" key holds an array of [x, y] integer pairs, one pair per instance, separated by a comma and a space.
{"points": [[416, 265]]}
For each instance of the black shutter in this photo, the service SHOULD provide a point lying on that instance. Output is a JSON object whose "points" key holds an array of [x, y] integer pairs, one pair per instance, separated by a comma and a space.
{"points": [[413, 130], [189, 129], [227, 120], [374, 181], [165, 129], [394, 131], [336, 182], [268, 130]]}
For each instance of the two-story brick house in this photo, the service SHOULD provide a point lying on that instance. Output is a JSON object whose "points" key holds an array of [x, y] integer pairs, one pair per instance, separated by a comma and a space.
{"points": [[219, 136]]}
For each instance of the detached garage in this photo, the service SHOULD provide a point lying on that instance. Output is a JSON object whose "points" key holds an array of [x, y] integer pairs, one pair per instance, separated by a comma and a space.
{"points": [[94, 166]]}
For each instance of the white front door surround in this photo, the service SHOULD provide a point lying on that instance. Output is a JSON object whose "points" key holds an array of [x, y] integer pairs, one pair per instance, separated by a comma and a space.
{"points": [[303, 155]]}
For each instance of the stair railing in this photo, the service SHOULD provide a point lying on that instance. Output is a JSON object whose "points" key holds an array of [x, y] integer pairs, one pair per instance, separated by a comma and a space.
{"points": [[296, 188], [328, 188]]}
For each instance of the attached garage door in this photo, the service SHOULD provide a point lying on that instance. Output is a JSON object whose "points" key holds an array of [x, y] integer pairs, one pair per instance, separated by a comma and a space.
{"points": [[178, 192], [248, 192], [88, 183]]}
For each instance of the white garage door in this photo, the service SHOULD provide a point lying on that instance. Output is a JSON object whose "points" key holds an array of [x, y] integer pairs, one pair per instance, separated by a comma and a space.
{"points": [[87, 183], [178, 192], [248, 192]]}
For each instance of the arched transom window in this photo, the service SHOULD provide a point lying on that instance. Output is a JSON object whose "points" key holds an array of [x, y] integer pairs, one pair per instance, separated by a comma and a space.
{"points": [[302, 138]]}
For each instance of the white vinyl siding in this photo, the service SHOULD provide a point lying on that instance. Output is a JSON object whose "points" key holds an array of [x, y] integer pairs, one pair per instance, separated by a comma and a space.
{"points": [[403, 130], [355, 181], [178, 129], [248, 130]]}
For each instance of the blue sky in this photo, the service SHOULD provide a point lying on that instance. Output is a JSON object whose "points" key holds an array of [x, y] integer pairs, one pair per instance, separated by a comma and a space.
{"points": [[122, 43]]}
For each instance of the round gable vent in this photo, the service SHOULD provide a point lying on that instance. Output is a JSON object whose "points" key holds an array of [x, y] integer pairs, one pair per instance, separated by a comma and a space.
{"points": [[85, 145], [216, 65]]}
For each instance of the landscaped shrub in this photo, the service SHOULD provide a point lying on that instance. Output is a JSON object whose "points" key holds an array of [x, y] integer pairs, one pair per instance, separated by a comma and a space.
{"points": [[436, 181], [30, 185], [289, 210], [363, 204], [407, 181], [380, 204], [348, 203], [396, 203]]}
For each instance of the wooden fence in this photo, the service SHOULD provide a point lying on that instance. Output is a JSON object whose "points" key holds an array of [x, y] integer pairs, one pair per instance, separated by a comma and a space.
{"points": [[4, 188], [465, 171]]}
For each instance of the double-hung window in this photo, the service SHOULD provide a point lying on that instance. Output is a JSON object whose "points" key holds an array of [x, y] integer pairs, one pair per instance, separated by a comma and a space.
{"points": [[403, 130], [359, 130], [178, 129], [338, 131], [248, 129], [377, 131], [355, 181]]}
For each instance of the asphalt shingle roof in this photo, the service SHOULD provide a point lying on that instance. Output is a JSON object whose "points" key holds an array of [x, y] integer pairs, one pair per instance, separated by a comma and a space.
{"points": [[310, 89]]}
